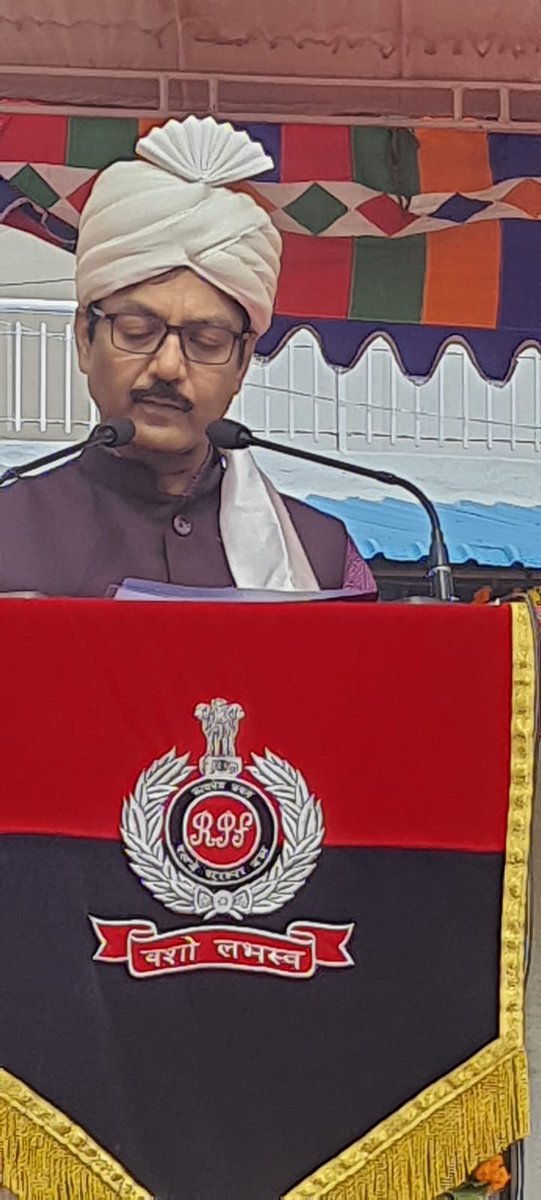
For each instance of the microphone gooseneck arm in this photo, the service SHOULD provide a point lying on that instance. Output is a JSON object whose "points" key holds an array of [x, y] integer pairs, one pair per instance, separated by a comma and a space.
{"points": [[232, 435], [117, 432]]}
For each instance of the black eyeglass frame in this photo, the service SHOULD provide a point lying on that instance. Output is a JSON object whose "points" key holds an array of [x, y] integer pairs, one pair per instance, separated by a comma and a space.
{"points": [[238, 338]]}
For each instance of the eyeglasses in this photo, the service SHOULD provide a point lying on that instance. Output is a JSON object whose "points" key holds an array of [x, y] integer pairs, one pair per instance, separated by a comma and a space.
{"points": [[200, 341]]}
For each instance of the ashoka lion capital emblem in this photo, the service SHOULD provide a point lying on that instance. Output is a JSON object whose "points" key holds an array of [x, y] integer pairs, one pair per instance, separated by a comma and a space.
{"points": [[220, 723], [233, 840]]}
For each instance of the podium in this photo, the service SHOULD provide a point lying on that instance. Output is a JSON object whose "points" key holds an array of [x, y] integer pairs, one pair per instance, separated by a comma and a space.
{"points": [[263, 874]]}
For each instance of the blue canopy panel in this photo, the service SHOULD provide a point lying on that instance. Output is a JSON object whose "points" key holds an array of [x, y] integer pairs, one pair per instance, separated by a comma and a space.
{"points": [[495, 535], [418, 348]]}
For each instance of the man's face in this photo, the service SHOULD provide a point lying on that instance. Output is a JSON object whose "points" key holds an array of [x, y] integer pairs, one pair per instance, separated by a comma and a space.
{"points": [[170, 399]]}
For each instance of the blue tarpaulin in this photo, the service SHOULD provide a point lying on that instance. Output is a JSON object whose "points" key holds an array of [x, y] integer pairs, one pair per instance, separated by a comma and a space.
{"points": [[495, 535]]}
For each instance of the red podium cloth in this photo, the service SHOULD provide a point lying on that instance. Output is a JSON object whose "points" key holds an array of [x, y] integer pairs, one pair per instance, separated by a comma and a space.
{"points": [[212, 1048]]}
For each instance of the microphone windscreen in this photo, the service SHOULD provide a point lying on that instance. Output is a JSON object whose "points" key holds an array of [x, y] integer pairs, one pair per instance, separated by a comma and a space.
{"points": [[118, 432], [229, 435]]}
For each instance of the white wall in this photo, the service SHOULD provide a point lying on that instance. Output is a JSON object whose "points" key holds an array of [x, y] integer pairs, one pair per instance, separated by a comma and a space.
{"points": [[26, 260]]}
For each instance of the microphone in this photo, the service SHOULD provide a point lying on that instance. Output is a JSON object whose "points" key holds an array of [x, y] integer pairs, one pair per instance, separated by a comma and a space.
{"points": [[118, 432], [232, 435]]}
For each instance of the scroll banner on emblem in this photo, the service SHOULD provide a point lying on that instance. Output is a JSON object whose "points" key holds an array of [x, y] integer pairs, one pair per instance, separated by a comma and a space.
{"points": [[297, 955], [271, 901]]}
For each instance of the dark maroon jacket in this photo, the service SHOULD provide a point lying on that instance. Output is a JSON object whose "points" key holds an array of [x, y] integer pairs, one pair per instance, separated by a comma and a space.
{"points": [[96, 521]]}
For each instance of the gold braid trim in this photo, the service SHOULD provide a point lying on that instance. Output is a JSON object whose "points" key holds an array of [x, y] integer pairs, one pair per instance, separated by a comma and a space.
{"points": [[431, 1144], [46, 1157]]}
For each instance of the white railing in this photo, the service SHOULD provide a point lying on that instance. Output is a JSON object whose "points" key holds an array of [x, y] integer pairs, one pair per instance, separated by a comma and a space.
{"points": [[375, 407], [44, 395], [297, 396]]}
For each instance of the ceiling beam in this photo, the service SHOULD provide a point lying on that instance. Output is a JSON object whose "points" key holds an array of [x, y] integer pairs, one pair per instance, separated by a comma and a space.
{"points": [[444, 104]]}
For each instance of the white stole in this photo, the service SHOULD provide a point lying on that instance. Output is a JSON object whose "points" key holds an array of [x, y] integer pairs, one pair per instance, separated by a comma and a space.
{"points": [[261, 543]]}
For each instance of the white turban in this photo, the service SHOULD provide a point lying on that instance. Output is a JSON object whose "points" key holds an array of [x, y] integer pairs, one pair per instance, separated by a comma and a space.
{"points": [[172, 208]]}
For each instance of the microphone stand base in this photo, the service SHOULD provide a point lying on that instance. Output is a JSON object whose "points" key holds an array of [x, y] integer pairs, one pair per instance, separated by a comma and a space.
{"points": [[424, 600]]}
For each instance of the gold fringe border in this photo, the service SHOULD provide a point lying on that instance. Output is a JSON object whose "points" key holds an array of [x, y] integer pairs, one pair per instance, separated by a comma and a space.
{"points": [[45, 1156], [431, 1144]]}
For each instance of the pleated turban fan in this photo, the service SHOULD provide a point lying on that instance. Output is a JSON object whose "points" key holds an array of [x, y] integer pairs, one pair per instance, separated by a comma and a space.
{"points": [[171, 207]]}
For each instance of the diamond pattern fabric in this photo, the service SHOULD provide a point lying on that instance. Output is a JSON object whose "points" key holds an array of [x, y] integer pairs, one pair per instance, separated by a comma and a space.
{"points": [[526, 196], [386, 214], [316, 210], [460, 208], [35, 187]]}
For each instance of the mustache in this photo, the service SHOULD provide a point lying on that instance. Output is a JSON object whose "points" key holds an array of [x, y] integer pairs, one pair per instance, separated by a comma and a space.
{"points": [[162, 390]]}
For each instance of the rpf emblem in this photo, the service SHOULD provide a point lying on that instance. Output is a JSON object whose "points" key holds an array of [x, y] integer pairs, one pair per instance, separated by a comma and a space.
{"points": [[234, 840], [219, 844]]}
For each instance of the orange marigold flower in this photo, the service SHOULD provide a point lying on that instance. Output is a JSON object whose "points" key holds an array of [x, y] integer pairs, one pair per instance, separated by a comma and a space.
{"points": [[483, 595], [499, 1182], [493, 1172]]}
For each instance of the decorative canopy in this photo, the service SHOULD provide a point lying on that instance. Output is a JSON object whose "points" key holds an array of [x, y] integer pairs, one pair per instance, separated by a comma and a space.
{"points": [[424, 236]]}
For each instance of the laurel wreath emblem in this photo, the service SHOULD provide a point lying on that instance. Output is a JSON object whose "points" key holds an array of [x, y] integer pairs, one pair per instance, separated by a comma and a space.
{"points": [[142, 825]]}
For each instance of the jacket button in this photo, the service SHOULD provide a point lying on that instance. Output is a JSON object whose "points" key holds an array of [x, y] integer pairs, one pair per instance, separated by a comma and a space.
{"points": [[182, 525]]}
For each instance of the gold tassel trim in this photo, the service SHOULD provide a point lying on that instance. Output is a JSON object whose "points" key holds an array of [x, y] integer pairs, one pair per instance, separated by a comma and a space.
{"points": [[432, 1144], [418, 1154], [46, 1157]]}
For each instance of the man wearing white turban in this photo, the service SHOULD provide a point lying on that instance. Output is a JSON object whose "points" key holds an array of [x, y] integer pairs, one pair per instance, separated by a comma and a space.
{"points": [[176, 277]]}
